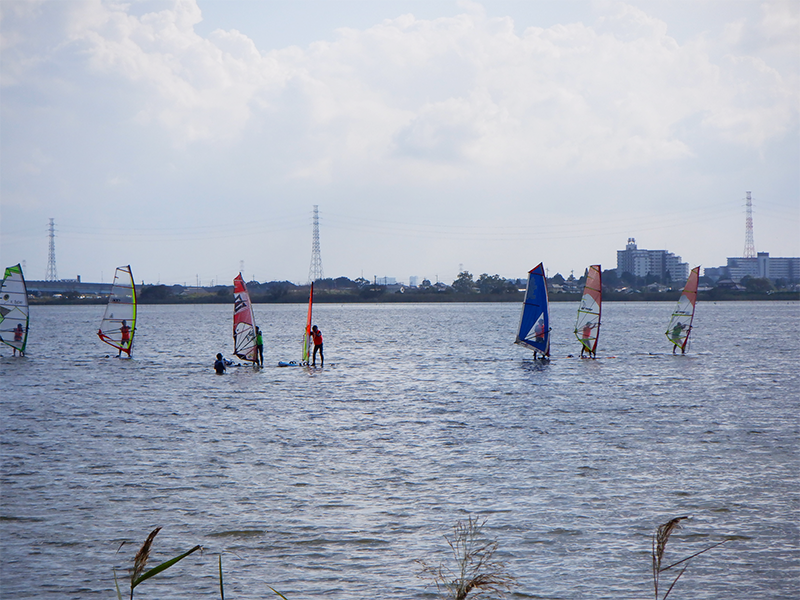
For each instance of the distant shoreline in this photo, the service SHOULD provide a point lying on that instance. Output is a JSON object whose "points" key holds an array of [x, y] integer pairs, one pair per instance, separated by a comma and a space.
{"points": [[323, 297]]}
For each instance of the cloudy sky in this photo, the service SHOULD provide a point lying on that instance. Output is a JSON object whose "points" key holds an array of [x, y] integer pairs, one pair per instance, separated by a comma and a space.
{"points": [[185, 137]]}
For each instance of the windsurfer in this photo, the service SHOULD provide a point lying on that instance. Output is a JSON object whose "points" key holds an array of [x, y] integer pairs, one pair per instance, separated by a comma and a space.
{"points": [[18, 333], [219, 364], [125, 339], [259, 347], [676, 337], [316, 334], [587, 334]]}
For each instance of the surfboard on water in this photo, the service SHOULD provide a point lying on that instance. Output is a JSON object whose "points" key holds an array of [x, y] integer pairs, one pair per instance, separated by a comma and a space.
{"points": [[587, 326], [680, 324], [119, 321], [14, 311], [244, 323], [534, 322]]}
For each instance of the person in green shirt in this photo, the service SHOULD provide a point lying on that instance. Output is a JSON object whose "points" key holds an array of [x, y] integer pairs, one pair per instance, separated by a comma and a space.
{"points": [[259, 347]]}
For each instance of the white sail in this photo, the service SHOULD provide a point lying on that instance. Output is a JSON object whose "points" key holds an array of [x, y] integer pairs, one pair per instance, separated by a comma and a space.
{"points": [[119, 321], [14, 312]]}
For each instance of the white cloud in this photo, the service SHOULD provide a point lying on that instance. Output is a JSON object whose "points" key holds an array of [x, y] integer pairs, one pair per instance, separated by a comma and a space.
{"points": [[411, 118], [461, 90]]}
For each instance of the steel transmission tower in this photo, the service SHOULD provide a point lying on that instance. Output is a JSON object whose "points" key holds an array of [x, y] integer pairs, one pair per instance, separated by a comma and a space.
{"points": [[315, 270], [749, 245], [52, 274]]}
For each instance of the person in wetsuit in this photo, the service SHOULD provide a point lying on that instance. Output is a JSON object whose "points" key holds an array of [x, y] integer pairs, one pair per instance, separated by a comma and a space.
{"points": [[316, 335], [219, 365]]}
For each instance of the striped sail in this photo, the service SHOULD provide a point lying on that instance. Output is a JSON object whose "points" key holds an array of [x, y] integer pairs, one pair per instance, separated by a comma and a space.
{"points": [[119, 321], [587, 326], [14, 313], [680, 325], [244, 322], [534, 322]]}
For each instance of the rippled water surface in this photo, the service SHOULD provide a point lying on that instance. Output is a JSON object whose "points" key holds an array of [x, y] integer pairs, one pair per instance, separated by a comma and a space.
{"points": [[331, 483]]}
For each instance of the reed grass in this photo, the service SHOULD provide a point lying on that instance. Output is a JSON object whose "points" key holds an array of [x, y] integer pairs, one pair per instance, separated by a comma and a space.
{"points": [[660, 539], [139, 575], [477, 571]]}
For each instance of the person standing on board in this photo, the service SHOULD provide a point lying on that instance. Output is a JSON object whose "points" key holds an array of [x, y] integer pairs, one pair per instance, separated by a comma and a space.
{"points": [[126, 337], [18, 333], [316, 335], [219, 365], [587, 335], [676, 337], [260, 348]]}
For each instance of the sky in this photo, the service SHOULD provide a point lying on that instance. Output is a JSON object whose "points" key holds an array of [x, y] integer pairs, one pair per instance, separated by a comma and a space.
{"points": [[192, 138]]}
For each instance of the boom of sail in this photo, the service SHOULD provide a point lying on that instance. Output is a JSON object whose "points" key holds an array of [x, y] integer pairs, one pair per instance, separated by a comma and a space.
{"points": [[534, 323], [119, 321], [14, 313], [244, 322], [680, 325], [587, 327]]}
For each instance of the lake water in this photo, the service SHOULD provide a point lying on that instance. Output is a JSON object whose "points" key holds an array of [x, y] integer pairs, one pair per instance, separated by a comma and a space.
{"points": [[331, 483]]}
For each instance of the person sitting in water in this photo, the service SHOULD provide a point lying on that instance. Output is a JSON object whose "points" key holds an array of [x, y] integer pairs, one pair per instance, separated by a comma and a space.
{"points": [[219, 365]]}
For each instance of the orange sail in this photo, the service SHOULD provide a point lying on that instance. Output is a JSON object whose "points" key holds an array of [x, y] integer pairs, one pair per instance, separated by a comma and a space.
{"points": [[307, 333], [244, 322]]}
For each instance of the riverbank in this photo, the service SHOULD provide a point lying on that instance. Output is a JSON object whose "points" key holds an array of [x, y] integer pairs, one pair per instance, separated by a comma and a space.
{"points": [[374, 297]]}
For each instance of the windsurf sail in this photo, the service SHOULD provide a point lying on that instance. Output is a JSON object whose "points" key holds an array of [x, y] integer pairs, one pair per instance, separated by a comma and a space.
{"points": [[119, 321], [587, 327], [244, 323], [680, 325], [534, 323], [307, 332], [14, 314]]}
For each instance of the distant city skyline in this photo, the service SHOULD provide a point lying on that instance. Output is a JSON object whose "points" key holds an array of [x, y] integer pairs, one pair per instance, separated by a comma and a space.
{"points": [[186, 137]]}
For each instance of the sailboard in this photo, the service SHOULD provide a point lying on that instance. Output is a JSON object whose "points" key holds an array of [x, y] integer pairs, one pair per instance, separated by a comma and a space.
{"points": [[14, 313], [244, 323], [119, 321], [680, 325], [587, 326], [534, 322], [307, 343]]}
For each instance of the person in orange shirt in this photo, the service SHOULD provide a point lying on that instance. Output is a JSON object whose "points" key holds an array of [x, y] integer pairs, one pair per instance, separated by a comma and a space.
{"points": [[316, 335]]}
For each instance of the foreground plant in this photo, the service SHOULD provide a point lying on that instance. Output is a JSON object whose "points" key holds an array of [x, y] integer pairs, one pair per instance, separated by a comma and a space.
{"points": [[476, 572], [138, 574], [660, 539]]}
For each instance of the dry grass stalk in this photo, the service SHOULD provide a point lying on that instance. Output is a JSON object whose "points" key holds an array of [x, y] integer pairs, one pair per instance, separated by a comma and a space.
{"points": [[142, 556], [660, 539], [478, 572]]}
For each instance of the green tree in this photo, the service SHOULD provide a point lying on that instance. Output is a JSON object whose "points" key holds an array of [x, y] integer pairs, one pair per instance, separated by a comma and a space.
{"points": [[464, 282], [610, 278], [494, 284], [757, 284]]}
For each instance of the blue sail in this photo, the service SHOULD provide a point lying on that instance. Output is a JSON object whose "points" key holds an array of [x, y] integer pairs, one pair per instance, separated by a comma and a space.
{"points": [[534, 324]]}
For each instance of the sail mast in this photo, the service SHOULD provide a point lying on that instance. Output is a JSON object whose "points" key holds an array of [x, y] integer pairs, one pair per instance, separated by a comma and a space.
{"points": [[534, 322], [244, 323], [119, 320], [14, 311], [680, 325], [307, 332], [587, 326]]}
